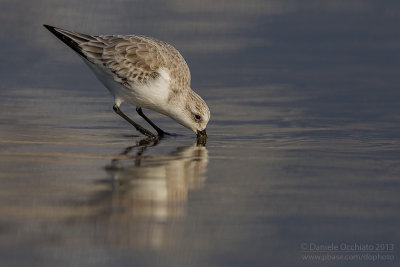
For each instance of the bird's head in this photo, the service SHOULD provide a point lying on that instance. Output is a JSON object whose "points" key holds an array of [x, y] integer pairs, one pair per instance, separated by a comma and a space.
{"points": [[192, 112]]}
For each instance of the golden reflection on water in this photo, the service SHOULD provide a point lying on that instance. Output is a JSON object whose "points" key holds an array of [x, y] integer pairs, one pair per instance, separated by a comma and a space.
{"points": [[143, 195], [147, 184]]}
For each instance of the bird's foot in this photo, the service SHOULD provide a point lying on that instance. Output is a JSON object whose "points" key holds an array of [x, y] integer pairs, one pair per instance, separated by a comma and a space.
{"points": [[162, 133]]}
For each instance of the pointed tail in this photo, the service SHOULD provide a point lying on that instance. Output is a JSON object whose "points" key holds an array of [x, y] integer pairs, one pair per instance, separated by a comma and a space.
{"points": [[71, 39]]}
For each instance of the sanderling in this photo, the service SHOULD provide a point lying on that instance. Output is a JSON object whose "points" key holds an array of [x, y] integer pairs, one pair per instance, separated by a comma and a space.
{"points": [[144, 72]]}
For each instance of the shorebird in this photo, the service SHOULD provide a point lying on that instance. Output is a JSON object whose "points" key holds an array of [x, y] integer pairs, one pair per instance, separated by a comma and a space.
{"points": [[144, 72]]}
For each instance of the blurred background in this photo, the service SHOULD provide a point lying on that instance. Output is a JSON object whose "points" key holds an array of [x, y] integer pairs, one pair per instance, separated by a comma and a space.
{"points": [[303, 143]]}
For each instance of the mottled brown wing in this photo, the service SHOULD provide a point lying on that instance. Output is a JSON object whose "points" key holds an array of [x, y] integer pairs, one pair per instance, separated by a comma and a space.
{"points": [[130, 58]]}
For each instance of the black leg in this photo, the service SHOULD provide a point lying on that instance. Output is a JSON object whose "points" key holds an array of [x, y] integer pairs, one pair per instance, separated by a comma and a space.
{"points": [[137, 126], [159, 131]]}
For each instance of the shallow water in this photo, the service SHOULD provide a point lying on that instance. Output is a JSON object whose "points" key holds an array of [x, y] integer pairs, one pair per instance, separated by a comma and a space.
{"points": [[303, 146]]}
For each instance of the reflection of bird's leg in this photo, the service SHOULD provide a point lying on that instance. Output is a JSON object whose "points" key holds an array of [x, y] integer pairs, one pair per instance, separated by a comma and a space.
{"points": [[147, 142], [137, 126], [159, 131], [138, 158], [127, 150], [143, 144]]}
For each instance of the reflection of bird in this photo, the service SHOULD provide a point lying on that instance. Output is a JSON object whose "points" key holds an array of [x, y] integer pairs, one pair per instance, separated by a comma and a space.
{"points": [[147, 192], [148, 186], [144, 72]]}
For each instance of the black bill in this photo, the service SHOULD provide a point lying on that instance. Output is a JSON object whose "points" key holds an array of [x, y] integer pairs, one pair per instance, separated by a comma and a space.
{"points": [[202, 134], [201, 137]]}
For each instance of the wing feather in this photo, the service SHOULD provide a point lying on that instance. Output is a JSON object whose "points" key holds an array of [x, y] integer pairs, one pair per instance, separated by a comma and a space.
{"points": [[130, 58]]}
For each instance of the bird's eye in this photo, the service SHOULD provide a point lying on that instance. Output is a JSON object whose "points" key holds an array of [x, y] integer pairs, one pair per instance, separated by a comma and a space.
{"points": [[197, 117]]}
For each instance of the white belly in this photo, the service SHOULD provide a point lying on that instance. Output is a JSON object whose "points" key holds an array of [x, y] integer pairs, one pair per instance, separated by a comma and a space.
{"points": [[152, 95]]}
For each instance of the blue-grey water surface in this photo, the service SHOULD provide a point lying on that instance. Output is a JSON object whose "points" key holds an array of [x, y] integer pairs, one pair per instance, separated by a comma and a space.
{"points": [[302, 155]]}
